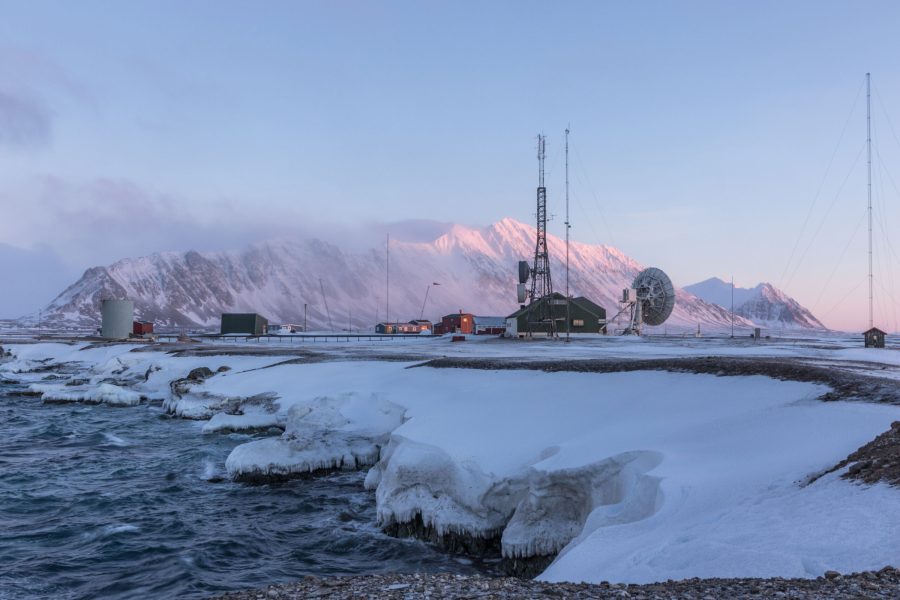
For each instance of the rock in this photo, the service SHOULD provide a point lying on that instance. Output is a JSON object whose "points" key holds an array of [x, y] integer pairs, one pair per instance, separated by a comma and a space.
{"points": [[831, 575], [200, 373], [223, 368]]}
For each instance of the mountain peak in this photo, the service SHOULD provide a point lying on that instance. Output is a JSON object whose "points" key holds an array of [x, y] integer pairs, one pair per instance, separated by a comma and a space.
{"points": [[763, 304]]}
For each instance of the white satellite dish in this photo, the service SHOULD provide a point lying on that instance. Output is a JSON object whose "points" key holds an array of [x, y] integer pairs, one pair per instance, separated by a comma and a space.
{"points": [[651, 299]]}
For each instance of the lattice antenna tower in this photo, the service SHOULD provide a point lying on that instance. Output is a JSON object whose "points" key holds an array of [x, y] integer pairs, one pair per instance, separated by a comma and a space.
{"points": [[541, 283]]}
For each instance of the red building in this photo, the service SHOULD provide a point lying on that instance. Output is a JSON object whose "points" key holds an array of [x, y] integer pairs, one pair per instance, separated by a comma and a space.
{"points": [[142, 327], [458, 323]]}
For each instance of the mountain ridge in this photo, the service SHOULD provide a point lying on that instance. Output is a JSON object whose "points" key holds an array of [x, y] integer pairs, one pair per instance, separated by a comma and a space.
{"points": [[475, 267], [764, 304]]}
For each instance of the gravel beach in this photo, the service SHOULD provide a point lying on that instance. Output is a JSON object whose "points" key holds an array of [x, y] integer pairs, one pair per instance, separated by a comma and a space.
{"points": [[881, 584]]}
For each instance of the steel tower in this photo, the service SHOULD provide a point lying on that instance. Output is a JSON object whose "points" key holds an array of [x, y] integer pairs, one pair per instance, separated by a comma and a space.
{"points": [[541, 283]]}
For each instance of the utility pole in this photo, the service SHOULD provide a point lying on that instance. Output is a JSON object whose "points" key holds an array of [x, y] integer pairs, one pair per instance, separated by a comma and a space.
{"points": [[869, 189], [568, 225], [732, 306], [304, 318]]}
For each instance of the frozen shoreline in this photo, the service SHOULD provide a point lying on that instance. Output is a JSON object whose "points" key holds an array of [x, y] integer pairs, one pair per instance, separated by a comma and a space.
{"points": [[540, 463]]}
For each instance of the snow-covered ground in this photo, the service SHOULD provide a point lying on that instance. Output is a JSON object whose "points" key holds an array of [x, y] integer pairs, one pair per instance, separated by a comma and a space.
{"points": [[631, 477]]}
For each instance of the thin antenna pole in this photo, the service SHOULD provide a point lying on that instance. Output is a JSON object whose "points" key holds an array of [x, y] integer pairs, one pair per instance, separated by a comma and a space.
{"points": [[732, 306], [422, 314], [387, 284], [568, 313], [325, 301], [869, 189]]}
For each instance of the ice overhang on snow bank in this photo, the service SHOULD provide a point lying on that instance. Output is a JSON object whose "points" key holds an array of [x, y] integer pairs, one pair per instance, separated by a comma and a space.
{"points": [[328, 432]]}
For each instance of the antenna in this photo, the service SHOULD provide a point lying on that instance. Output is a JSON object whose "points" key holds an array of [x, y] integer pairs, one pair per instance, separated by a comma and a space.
{"points": [[568, 225], [732, 306], [650, 300], [387, 284], [541, 284], [869, 166], [325, 300]]}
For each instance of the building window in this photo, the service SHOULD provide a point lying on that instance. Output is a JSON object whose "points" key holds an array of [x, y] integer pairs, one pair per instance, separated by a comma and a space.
{"points": [[578, 322]]}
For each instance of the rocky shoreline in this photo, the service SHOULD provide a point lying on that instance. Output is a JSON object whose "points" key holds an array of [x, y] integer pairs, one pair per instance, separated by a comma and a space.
{"points": [[871, 584], [843, 378]]}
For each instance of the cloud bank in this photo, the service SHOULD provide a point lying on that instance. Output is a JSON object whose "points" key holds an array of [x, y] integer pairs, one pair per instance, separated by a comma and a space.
{"points": [[24, 122], [55, 228]]}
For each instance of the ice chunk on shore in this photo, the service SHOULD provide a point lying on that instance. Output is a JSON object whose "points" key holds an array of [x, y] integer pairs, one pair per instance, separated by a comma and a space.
{"points": [[251, 419], [328, 432], [105, 393]]}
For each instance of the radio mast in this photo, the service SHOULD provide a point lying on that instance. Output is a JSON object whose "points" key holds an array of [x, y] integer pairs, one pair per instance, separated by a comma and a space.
{"points": [[869, 167], [568, 225], [541, 284]]}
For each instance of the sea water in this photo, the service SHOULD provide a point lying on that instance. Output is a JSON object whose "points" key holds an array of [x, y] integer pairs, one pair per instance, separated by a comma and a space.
{"points": [[101, 502]]}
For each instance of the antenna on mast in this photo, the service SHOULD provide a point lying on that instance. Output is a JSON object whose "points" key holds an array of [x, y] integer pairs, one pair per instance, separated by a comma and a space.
{"points": [[541, 284], [869, 189], [568, 225]]}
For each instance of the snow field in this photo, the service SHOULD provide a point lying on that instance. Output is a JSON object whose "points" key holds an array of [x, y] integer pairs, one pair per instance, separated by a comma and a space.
{"points": [[630, 465], [630, 477]]}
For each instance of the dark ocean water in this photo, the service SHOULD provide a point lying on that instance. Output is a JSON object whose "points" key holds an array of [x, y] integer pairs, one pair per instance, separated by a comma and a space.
{"points": [[100, 502]]}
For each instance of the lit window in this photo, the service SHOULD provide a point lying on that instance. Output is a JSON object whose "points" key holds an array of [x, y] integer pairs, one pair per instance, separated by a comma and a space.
{"points": [[578, 322]]}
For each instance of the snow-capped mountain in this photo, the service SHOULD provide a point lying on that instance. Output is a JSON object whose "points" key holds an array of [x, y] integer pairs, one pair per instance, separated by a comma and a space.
{"points": [[475, 267], [764, 304]]}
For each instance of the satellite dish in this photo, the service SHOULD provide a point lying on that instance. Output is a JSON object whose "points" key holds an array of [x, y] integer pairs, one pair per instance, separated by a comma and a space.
{"points": [[656, 295], [524, 271]]}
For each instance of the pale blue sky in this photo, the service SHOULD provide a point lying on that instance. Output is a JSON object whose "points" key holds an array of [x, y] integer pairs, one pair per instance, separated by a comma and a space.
{"points": [[701, 131]]}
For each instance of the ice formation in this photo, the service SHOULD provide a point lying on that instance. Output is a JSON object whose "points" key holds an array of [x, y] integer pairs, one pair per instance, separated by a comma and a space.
{"points": [[328, 432], [105, 393]]}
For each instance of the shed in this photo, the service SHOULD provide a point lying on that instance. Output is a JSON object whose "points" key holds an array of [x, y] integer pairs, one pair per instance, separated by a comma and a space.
{"points": [[142, 328], [398, 327], [585, 316], [489, 325], [458, 323], [246, 323], [874, 338], [422, 325]]}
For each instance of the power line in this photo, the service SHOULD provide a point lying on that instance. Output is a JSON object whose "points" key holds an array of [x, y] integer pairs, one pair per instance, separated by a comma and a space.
{"points": [[821, 186], [825, 217]]}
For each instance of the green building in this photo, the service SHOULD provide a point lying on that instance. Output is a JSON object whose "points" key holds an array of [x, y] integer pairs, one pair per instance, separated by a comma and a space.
{"points": [[585, 316], [246, 323]]}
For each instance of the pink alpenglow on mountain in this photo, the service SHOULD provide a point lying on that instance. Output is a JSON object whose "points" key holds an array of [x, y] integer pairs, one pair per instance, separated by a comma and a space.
{"points": [[476, 268]]}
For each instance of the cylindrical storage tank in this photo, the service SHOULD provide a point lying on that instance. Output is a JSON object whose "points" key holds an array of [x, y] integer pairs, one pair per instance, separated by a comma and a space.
{"points": [[118, 319]]}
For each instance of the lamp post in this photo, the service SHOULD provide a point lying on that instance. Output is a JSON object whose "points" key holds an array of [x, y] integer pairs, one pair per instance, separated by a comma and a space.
{"points": [[427, 289]]}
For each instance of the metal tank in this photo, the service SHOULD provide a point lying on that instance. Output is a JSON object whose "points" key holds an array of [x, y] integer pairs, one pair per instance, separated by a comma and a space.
{"points": [[118, 319]]}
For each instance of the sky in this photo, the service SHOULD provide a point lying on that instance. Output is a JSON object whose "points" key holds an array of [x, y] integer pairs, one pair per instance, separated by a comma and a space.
{"points": [[708, 138]]}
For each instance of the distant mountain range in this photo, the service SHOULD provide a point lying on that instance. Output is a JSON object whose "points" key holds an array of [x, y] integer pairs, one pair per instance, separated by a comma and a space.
{"points": [[475, 267], [765, 305]]}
